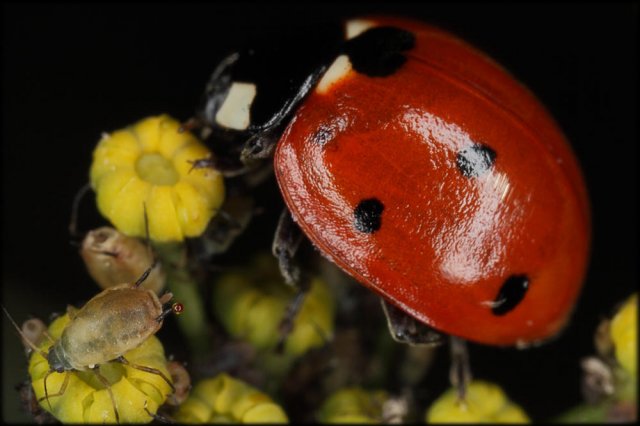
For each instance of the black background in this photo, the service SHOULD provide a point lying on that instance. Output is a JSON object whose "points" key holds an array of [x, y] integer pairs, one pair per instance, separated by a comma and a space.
{"points": [[71, 72]]}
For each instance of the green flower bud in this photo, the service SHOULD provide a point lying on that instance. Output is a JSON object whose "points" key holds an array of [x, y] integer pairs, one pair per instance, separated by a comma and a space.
{"points": [[624, 333], [353, 405], [252, 303], [223, 399], [484, 403]]}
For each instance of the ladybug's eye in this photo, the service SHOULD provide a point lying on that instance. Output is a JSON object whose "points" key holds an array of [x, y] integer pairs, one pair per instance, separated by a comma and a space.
{"points": [[510, 295]]}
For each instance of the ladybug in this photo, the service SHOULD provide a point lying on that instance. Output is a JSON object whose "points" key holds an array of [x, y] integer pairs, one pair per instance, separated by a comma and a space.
{"points": [[425, 171]]}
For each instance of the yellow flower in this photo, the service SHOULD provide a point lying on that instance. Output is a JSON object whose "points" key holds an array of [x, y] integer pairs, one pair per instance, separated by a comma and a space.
{"points": [[484, 403], [223, 399], [86, 400], [624, 333], [251, 304], [149, 165], [353, 405]]}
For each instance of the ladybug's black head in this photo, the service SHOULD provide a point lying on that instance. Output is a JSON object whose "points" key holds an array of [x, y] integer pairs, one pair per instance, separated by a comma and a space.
{"points": [[227, 103]]}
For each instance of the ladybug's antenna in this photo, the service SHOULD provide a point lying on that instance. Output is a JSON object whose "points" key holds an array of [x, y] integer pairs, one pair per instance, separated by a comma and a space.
{"points": [[24, 337]]}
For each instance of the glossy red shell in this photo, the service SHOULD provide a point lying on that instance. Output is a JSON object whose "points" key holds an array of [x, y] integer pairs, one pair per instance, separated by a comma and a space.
{"points": [[447, 242]]}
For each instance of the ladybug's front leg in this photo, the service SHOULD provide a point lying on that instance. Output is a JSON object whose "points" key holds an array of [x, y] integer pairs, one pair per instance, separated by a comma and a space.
{"points": [[259, 147], [286, 243], [406, 329], [460, 373]]}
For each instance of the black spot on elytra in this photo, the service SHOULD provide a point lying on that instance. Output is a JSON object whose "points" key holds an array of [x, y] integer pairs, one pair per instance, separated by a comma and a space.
{"points": [[475, 160], [511, 294], [377, 51], [367, 215]]}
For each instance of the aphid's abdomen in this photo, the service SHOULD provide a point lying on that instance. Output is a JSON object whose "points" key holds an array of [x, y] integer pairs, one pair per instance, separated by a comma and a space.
{"points": [[114, 322]]}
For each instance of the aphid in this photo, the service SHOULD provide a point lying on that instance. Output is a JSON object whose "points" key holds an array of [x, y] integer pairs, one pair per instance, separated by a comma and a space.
{"points": [[112, 323]]}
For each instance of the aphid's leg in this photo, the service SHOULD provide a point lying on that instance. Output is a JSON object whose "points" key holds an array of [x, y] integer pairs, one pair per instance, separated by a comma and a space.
{"points": [[73, 223], [151, 370], [460, 373], [60, 392], [107, 385], [286, 242], [406, 329]]}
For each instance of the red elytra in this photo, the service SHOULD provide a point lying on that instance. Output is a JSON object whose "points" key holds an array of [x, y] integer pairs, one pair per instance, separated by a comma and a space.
{"points": [[445, 242]]}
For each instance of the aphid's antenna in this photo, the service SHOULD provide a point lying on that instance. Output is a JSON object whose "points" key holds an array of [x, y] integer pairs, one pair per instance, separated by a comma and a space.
{"points": [[73, 224], [146, 273], [176, 308], [24, 337], [146, 227]]}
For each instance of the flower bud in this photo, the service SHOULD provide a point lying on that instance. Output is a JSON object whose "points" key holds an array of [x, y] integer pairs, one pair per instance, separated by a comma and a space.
{"points": [[353, 405], [624, 333], [252, 303], [148, 166], [112, 258], [223, 399], [483, 402]]}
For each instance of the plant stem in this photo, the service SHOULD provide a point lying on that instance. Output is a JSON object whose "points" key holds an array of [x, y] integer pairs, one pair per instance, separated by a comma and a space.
{"points": [[192, 322]]}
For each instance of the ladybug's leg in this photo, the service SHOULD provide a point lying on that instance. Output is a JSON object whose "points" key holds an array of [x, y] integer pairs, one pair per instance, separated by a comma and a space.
{"points": [[285, 245], [157, 417], [460, 373], [286, 242], [262, 144], [406, 329]]}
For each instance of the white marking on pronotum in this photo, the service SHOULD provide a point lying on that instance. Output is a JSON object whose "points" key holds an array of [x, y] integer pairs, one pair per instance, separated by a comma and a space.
{"points": [[337, 71], [234, 112], [355, 27]]}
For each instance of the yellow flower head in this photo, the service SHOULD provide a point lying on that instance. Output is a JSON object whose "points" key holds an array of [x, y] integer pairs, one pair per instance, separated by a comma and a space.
{"points": [[484, 403], [223, 399], [148, 165], [353, 405], [86, 400], [252, 303], [624, 333]]}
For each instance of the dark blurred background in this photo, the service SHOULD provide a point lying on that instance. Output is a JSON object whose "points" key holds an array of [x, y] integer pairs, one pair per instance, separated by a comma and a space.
{"points": [[70, 72]]}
